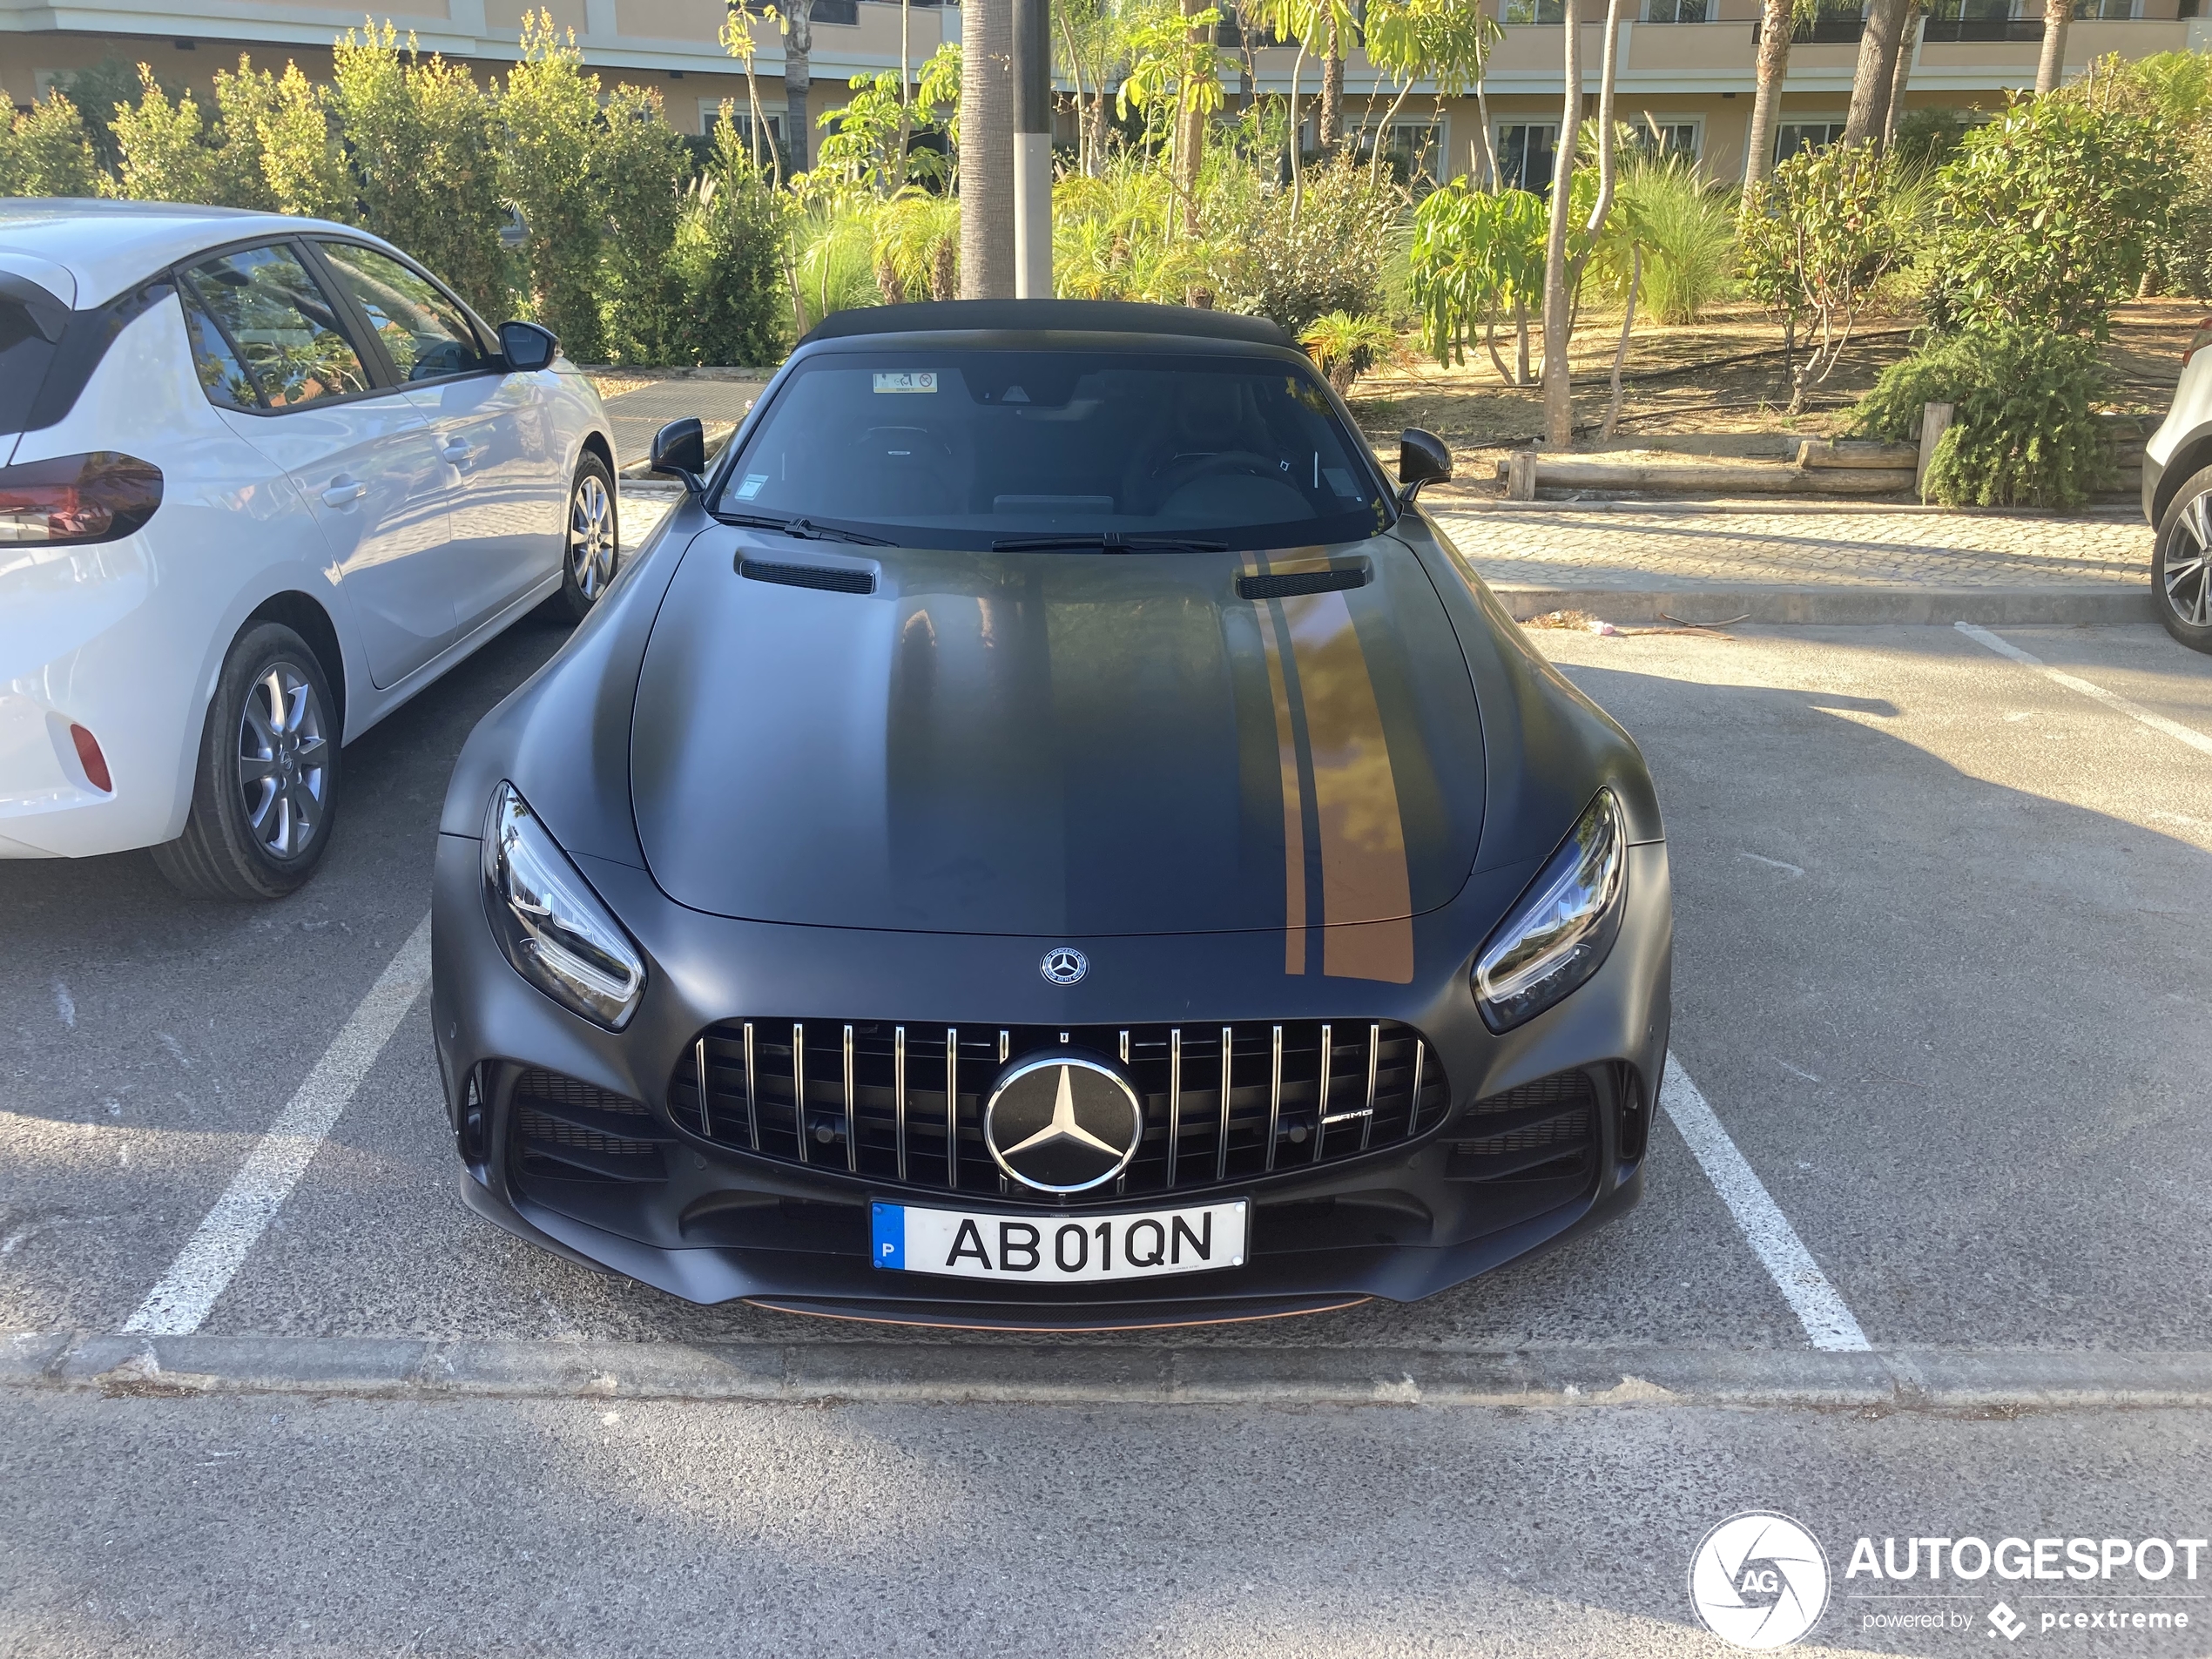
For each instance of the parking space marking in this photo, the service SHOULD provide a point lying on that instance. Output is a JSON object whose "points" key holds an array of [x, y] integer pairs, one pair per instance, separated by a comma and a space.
{"points": [[2112, 700], [213, 1254], [1819, 1306]]}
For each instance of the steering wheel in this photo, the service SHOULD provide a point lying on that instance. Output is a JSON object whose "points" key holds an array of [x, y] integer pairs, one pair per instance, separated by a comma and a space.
{"points": [[1180, 473]]}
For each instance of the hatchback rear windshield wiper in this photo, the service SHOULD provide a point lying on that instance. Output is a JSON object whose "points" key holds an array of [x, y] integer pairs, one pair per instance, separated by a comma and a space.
{"points": [[803, 529], [1107, 541]]}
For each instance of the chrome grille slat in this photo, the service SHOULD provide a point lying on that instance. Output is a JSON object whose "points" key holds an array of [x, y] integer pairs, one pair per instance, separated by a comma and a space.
{"points": [[899, 1094], [1271, 1084]]}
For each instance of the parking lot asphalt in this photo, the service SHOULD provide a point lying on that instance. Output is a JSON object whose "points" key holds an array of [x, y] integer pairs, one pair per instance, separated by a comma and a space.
{"points": [[1939, 973]]}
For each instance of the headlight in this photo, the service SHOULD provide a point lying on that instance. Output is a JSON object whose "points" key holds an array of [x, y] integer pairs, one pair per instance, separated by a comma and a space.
{"points": [[549, 922], [1559, 932]]}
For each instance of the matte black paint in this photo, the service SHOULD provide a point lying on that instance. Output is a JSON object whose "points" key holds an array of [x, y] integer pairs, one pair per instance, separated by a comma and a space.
{"points": [[844, 824]]}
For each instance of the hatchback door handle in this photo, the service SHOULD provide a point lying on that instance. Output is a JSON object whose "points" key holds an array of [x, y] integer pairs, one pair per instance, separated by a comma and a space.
{"points": [[457, 451], [343, 491]]}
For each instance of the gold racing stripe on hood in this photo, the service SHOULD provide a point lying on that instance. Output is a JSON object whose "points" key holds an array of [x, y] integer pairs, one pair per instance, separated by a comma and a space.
{"points": [[1293, 802], [1366, 888]]}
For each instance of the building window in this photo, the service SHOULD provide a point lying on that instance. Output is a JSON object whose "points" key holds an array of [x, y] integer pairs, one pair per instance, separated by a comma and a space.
{"points": [[1678, 10], [772, 116], [1526, 155], [2108, 10], [1412, 149], [841, 11], [1790, 137], [1655, 138], [1533, 11]]}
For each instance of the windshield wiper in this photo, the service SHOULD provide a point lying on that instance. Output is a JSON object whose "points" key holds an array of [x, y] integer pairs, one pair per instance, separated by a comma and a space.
{"points": [[803, 530], [1107, 541]]}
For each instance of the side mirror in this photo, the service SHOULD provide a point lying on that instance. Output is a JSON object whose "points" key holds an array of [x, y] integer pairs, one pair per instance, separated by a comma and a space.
{"points": [[680, 448], [527, 346], [1422, 459]]}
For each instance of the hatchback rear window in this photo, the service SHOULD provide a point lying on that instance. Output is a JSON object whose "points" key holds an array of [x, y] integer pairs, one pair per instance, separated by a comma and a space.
{"points": [[24, 353]]}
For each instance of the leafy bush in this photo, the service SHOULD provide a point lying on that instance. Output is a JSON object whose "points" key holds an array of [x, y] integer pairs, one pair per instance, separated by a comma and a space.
{"points": [[166, 152], [549, 113], [639, 167], [46, 152], [917, 245], [2048, 216], [728, 257], [426, 172], [1474, 254], [1929, 137], [1816, 236], [1343, 347], [2023, 432], [1326, 255], [1685, 230]]}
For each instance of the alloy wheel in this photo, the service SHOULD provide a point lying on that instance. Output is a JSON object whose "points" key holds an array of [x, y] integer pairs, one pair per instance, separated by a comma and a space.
{"points": [[283, 760], [591, 535], [2188, 564]]}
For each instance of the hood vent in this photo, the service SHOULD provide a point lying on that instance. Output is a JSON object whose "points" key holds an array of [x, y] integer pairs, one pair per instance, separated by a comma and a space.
{"points": [[1290, 586], [830, 578]]}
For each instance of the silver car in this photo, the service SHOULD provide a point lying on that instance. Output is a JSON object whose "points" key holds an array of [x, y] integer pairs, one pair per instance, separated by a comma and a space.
{"points": [[2177, 500]]}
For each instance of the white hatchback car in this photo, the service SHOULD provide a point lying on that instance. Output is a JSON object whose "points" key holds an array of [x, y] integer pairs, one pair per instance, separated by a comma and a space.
{"points": [[261, 480]]}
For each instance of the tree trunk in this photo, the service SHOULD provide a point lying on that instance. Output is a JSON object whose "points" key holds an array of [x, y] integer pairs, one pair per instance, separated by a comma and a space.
{"points": [[2050, 69], [1521, 376], [1298, 165], [1907, 39], [1777, 19], [986, 149], [905, 93], [1331, 91], [1876, 70], [1621, 354], [1559, 406], [799, 132], [1075, 73], [1191, 131], [1491, 181]]}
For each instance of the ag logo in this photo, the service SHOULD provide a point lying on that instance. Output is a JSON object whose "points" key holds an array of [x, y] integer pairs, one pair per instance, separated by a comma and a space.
{"points": [[1759, 1581]]}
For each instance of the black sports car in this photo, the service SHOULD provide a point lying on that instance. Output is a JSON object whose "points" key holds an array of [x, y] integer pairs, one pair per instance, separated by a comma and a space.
{"points": [[1047, 835]]}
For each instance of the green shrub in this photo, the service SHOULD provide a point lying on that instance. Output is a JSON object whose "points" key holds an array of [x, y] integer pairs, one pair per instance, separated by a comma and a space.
{"points": [[834, 244], [549, 112], [166, 153], [2048, 216], [1929, 137], [1343, 347], [728, 256], [46, 152], [97, 92], [639, 168], [1475, 253], [1327, 256], [420, 139], [1817, 237], [2023, 432]]}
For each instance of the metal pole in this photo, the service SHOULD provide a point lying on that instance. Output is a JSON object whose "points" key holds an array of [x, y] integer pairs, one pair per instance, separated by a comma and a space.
{"points": [[1033, 149]]}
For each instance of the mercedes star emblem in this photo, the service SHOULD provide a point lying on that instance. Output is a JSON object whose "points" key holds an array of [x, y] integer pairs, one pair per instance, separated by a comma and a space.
{"points": [[1063, 1122], [1064, 966]]}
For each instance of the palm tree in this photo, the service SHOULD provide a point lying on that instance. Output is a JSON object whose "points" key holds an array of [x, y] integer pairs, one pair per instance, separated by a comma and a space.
{"points": [[1777, 19], [798, 40], [986, 149], [1876, 73], [2051, 67]]}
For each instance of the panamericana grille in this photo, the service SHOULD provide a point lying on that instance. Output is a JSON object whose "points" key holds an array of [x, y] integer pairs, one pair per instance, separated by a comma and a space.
{"points": [[904, 1103], [569, 1130], [1545, 1130]]}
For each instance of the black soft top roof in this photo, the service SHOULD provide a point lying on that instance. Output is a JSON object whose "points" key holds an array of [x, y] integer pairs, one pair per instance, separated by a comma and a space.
{"points": [[1033, 316]]}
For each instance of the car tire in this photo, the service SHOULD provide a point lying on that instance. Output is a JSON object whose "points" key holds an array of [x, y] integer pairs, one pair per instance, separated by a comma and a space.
{"points": [[2181, 564], [591, 542], [264, 792]]}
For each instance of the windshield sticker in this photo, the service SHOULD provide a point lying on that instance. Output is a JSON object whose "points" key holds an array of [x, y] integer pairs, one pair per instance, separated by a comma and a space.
{"points": [[924, 382], [751, 487]]}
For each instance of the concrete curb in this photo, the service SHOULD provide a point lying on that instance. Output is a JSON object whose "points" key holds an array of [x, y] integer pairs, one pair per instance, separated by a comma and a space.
{"points": [[1841, 604], [370, 1367]]}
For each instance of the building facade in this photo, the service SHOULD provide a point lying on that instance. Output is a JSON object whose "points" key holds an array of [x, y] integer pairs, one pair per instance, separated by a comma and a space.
{"points": [[1686, 66]]}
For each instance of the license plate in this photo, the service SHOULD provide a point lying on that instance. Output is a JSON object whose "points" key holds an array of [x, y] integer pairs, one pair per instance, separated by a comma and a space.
{"points": [[1061, 1250]]}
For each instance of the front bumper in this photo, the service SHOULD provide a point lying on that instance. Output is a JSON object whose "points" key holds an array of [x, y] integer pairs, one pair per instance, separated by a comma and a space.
{"points": [[1398, 1223]]}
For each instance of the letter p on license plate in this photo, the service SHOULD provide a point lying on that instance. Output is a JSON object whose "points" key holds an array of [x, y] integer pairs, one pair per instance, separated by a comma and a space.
{"points": [[1067, 1248]]}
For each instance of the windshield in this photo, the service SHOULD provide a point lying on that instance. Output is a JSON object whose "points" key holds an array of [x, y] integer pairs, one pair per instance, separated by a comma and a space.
{"points": [[972, 449]]}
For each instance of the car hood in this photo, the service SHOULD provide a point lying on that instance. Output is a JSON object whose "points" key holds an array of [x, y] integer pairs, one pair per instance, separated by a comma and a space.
{"points": [[1055, 743]]}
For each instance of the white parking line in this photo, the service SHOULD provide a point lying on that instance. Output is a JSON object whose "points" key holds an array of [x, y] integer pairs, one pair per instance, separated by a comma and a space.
{"points": [[2112, 700], [1819, 1306], [213, 1254]]}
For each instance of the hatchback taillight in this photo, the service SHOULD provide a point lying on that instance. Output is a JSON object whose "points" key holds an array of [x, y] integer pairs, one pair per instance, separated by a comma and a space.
{"points": [[97, 497]]}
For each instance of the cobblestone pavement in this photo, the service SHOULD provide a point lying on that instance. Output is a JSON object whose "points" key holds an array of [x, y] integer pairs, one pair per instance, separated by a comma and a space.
{"points": [[1632, 549]]}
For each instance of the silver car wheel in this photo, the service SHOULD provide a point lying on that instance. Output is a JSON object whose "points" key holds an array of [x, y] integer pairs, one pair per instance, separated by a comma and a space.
{"points": [[283, 760], [2188, 564], [591, 535]]}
